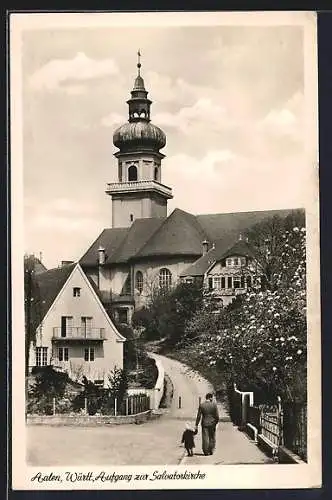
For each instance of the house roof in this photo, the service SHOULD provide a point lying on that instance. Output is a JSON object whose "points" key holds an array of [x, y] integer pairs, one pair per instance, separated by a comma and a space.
{"points": [[241, 248], [199, 267], [179, 234], [50, 283]]}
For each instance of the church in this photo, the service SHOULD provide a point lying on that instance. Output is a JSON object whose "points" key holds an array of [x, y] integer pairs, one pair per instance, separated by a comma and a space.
{"points": [[146, 248]]}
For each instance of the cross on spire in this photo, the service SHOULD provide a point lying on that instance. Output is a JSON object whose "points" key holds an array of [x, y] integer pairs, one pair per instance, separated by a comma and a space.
{"points": [[139, 61]]}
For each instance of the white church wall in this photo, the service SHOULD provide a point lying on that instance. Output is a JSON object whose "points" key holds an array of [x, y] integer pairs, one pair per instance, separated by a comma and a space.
{"points": [[150, 271]]}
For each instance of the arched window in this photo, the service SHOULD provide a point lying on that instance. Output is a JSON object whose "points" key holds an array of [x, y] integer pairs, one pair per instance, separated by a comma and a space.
{"points": [[132, 173], [156, 173], [139, 281], [143, 113], [165, 279]]}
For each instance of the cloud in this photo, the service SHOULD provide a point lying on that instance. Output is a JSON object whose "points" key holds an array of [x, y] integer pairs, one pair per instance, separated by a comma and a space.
{"points": [[222, 181], [59, 208], [165, 89], [75, 89], [287, 120], [66, 224], [204, 113], [55, 73], [113, 120]]}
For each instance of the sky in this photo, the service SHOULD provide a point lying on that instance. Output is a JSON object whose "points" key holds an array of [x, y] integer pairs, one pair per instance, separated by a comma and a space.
{"points": [[229, 98]]}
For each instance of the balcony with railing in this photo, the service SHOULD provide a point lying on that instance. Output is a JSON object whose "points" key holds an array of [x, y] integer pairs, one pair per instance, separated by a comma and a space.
{"points": [[134, 186], [78, 333], [223, 292]]}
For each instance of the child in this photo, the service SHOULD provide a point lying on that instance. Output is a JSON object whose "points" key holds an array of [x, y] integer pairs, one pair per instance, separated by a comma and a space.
{"points": [[188, 439]]}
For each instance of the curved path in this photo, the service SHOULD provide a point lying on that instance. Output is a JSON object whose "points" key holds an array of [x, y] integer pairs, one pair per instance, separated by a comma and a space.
{"points": [[156, 442], [189, 388]]}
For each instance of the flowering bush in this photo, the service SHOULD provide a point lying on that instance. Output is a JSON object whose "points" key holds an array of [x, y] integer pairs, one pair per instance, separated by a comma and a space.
{"points": [[260, 341]]}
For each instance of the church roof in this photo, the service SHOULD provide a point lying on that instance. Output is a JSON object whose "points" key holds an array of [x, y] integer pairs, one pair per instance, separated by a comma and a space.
{"points": [[179, 234], [141, 231], [226, 228], [217, 226], [110, 240]]}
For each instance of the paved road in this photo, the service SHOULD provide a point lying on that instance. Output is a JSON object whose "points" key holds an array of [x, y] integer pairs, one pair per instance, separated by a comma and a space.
{"points": [[188, 386], [154, 443]]}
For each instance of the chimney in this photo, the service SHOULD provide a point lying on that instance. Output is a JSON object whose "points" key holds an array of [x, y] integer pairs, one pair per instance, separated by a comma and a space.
{"points": [[101, 256], [240, 237], [66, 263], [205, 245], [40, 256]]}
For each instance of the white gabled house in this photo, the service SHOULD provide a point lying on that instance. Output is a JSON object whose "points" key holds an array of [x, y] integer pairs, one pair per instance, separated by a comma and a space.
{"points": [[76, 333]]}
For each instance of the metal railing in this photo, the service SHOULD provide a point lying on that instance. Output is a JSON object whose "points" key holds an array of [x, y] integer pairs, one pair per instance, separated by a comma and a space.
{"points": [[295, 428], [91, 405], [79, 333], [113, 187]]}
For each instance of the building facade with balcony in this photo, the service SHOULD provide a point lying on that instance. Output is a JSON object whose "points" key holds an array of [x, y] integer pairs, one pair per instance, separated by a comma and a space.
{"points": [[226, 272], [144, 248], [75, 332]]}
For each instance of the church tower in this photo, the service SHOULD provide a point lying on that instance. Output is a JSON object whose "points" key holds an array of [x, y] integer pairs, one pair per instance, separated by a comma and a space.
{"points": [[138, 193]]}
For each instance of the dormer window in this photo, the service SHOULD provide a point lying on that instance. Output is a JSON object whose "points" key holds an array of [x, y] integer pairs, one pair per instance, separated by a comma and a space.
{"points": [[76, 291], [229, 262], [236, 261]]}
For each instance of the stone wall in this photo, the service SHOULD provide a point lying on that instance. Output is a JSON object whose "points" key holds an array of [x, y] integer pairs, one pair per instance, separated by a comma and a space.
{"points": [[88, 420]]}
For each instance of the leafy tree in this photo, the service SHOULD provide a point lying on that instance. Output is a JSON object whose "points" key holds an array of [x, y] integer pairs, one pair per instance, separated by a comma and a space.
{"points": [[32, 305], [268, 239], [260, 341], [168, 311], [48, 384]]}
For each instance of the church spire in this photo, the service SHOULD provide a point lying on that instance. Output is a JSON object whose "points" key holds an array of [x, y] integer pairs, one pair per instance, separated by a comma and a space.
{"points": [[139, 62], [139, 104], [139, 192]]}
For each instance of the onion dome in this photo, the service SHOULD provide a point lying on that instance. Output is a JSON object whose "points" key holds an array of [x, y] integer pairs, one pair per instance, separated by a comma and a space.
{"points": [[139, 135], [138, 132]]}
